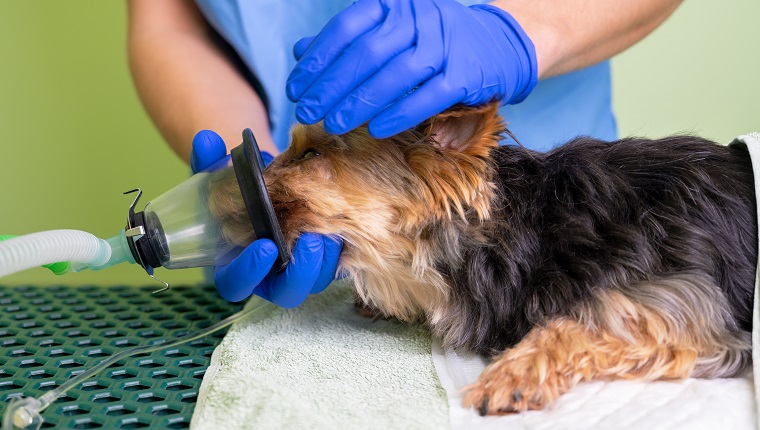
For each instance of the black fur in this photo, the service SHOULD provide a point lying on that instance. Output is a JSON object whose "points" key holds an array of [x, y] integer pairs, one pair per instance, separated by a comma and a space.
{"points": [[593, 214]]}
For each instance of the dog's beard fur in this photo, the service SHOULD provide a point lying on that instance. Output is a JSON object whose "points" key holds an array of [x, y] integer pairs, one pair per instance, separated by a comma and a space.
{"points": [[648, 247]]}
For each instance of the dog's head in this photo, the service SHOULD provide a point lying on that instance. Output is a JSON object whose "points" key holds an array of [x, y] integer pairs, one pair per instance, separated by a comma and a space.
{"points": [[383, 196], [365, 189]]}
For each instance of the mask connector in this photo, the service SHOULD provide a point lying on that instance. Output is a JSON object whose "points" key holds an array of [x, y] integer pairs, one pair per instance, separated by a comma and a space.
{"points": [[139, 243]]}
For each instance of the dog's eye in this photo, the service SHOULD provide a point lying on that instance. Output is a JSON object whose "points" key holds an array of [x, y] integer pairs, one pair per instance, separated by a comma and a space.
{"points": [[309, 153]]}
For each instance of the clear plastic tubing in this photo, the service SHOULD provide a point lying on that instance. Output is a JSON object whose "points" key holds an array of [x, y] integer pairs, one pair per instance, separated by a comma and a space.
{"points": [[78, 249], [24, 413], [37, 249]]}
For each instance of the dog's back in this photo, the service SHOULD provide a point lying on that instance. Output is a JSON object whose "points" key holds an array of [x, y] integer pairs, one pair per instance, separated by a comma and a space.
{"points": [[594, 215]]}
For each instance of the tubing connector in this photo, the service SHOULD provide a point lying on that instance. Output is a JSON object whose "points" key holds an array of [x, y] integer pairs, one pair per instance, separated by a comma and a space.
{"points": [[23, 413], [119, 253]]}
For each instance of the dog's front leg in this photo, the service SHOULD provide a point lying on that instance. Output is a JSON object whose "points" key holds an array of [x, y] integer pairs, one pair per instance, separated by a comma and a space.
{"points": [[555, 357]]}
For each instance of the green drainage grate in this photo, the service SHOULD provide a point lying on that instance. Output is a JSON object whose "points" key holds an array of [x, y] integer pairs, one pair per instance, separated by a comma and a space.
{"points": [[49, 334]]}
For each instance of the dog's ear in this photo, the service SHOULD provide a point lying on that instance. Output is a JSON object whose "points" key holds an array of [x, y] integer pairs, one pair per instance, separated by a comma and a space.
{"points": [[461, 127], [452, 161]]}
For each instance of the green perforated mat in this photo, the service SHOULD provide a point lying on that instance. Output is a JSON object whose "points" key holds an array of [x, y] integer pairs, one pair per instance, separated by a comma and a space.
{"points": [[49, 334]]}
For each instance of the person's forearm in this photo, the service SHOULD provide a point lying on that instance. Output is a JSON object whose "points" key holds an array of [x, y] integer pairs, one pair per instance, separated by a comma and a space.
{"points": [[185, 83], [572, 34]]}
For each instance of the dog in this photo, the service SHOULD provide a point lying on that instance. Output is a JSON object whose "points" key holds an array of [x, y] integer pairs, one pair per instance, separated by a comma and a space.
{"points": [[632, 259]]}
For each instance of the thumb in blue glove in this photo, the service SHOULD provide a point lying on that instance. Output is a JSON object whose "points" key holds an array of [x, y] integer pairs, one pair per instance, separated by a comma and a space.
{"points": [[301, 46], [209, 148], [310, 270], [396, 63]]}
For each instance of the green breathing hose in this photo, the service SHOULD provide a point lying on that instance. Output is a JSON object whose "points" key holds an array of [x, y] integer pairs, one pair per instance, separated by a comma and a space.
{"points": [[60, 268]]}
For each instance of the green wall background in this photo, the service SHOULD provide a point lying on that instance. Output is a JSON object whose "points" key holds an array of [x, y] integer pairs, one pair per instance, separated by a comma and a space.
{"points": [[73, 135]]}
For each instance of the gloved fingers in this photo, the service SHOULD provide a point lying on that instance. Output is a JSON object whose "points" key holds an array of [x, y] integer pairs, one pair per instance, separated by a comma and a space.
{"points": [[359, 61], [208, 148], [237, 280], [331, 41], [524, 73], [333, 246], [291, 287], [301, 46], [382, 89], [433, 97]]}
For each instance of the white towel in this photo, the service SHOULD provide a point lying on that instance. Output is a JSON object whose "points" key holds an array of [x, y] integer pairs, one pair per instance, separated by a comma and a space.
{"points": [[321, 366]]}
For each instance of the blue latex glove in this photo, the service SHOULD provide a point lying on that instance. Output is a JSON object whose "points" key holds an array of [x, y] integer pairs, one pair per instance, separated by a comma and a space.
{"points": [[396, 63], [312, 268]]}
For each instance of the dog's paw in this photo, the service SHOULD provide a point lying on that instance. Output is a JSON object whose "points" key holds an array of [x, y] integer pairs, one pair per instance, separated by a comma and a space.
{"points": [[507, 386]]}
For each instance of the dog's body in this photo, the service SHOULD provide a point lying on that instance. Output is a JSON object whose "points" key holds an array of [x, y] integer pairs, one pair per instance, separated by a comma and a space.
{"points": [[594, 216], [633, 259]]}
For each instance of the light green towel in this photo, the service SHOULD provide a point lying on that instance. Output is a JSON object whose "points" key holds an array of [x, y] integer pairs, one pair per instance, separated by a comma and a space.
{"points": [[321, 366]]}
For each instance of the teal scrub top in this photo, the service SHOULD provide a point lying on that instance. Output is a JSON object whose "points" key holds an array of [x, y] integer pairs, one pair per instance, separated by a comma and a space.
{"points": [[263, 32]]}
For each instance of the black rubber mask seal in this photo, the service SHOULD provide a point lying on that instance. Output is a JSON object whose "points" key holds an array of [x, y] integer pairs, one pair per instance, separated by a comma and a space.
{"points": [[249, 170]]}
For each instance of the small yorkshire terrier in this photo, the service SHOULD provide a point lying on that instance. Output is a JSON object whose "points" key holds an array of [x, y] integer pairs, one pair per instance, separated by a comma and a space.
{"points": [[633, 259]]}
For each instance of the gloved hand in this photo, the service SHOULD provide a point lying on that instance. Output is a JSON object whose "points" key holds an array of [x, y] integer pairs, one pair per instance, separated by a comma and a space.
{"points": [[396, 63], [312, 268]]}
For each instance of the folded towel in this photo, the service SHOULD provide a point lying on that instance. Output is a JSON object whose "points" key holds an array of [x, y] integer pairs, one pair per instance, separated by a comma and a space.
{"points": [[321, 365], [752, 142]]}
